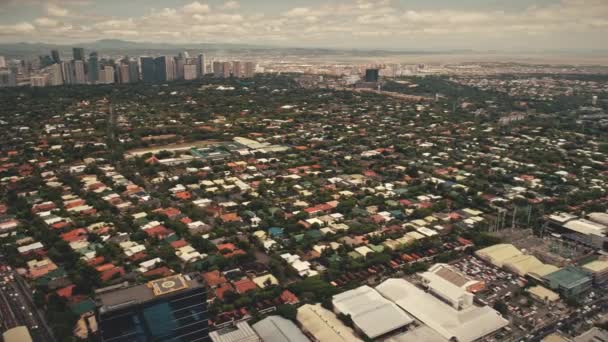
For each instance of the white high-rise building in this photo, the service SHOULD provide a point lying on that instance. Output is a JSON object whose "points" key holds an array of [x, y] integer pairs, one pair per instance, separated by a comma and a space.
{"points": [[594, 100], [201, 65], [2, 62], [190, 72]]}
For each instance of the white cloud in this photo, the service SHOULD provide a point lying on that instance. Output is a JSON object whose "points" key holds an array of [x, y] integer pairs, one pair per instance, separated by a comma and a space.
{"points": [[46, 22], [231, 5], [56, 11], [20, 28], [332, 23], [196, 8]]}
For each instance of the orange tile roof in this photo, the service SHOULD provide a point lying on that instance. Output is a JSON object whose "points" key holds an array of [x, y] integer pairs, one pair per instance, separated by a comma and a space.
{"points": [[244, 285], [214, 278]]}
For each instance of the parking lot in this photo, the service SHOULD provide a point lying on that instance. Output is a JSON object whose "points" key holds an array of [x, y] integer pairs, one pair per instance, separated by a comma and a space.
{"points": [[524, 313]]}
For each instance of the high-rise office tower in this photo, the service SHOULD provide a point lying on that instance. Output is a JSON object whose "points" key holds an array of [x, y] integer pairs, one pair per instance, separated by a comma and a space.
{"points": [[201, 65], [594, 100], [160, 69], [55, 56], [78, 54], [148, 72], [106, 75], [133, 71], [7, 78], [55, 75], [123, 72], [93, 67], [249, 69], [190, 72], [171, 69], [372, 75], [69, 76], [218, 69], [45, 61], [226, 69], [236, 69], [2, 62], [179, 67], [79, 73]]}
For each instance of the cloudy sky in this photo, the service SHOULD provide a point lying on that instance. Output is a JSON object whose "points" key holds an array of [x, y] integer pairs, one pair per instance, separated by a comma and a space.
{"points": [[392, 24]]}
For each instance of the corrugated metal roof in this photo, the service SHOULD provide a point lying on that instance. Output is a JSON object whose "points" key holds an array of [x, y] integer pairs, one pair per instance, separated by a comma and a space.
{"points": [[279, 329], [242, 332]]}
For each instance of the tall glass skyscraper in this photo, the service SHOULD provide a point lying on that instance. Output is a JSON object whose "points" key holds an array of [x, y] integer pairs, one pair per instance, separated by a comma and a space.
{"points": [[93, 67]]}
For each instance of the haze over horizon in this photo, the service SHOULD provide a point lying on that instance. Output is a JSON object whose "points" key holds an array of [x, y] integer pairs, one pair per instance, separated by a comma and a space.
{"points": [[360, 24]]}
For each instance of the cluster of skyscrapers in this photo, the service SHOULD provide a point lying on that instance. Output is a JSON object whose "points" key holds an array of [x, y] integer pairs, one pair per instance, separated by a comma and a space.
{"points": [[53, 71]]}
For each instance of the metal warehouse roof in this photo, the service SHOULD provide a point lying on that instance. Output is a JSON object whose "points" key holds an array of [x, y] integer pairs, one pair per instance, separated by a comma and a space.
{"points": [[279, 329], [373, 314], [466, 325]]}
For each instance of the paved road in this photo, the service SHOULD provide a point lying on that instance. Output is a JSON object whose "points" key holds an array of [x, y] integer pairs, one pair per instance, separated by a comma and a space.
{"points": [[17, 307]]}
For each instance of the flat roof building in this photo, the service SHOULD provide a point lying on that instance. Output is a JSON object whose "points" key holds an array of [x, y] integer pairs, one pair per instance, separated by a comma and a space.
{"points": [[279, 329], [371, 313], [17, 334], [598, 270], [171, 308], [323, 325], [569, 281], [468, 324], [240, 332], [543, 294]]}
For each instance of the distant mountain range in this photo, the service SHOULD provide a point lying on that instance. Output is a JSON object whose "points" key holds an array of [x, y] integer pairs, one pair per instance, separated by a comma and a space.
{"points": [[109, 46]]}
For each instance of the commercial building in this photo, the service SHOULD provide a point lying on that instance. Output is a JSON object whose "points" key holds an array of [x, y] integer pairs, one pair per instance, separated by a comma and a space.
{"points": [[512, 259], [237, 70], [17, 334], [323, 325], [133, 71], [279, 329], [601, 218], [190, 72], [78, 54], [586, 227], [421, 333], [470, 323], [249, 69], [148, 72], [123, 73], [201, 65], [55, 56], [456, 277], [218, 69], [106, 76], [598, 269], [569, 281], [594, 334], [240, 332], [372, 314], [171, 308], [79, 72], [543, 294], [93, 66], [372, 75], [69, 76], [55, 75]]}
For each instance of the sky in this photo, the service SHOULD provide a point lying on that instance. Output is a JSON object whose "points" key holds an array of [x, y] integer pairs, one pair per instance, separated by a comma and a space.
{"points": [[504, 25]]}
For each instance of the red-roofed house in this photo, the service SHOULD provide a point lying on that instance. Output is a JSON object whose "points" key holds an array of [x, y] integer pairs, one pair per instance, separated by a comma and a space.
{"points": [[214, 278], [244, 285]]}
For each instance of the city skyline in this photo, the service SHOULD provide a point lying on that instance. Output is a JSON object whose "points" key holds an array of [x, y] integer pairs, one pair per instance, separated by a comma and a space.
{"points": [[385, 24]]}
